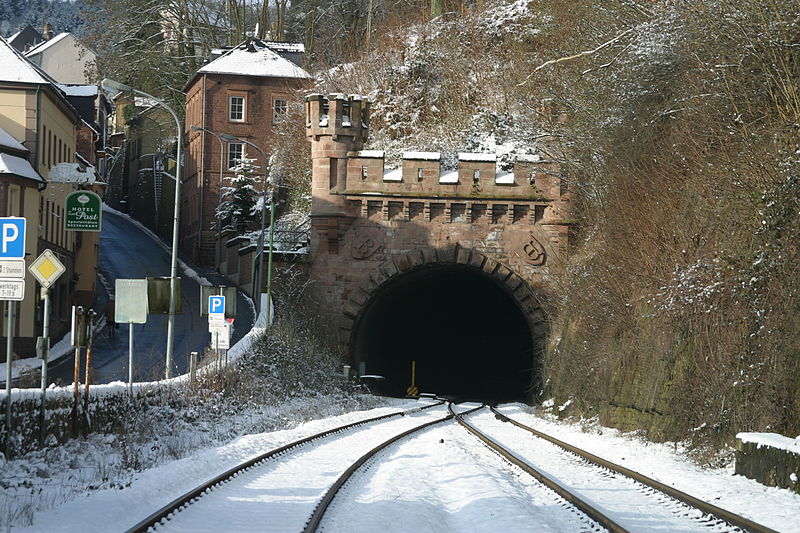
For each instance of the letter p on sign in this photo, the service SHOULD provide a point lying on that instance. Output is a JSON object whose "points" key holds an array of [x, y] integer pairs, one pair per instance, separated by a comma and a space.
{"points": [[12, 238], [216, 305]]}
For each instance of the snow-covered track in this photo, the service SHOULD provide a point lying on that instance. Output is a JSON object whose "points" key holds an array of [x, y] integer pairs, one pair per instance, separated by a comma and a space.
{"points": [[707, 508], [163, 515], [316, 518], [585, 507], [637, 503]]}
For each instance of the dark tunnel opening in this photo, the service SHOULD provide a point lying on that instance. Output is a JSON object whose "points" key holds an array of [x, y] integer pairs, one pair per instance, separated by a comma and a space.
{"points": [[466, 335]]}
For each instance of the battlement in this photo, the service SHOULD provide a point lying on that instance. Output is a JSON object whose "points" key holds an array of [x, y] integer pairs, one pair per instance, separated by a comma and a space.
{"points": [[337, 115], [421, 174]]}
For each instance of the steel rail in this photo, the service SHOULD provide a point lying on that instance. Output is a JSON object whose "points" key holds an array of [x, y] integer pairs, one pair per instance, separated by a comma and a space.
{"points": [[330, 494], [187, 498], [729, 517], [585, 507]]}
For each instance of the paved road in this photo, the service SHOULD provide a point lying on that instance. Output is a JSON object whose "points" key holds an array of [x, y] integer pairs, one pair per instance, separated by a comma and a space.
{"points": [[128, 252]]}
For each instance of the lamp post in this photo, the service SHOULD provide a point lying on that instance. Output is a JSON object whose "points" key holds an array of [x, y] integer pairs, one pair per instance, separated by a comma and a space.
{"points": [[114, 88], [221, 159], [260, 247]]}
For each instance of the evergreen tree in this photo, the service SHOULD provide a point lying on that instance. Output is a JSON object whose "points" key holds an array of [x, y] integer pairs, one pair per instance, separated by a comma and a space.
{"points": [[238, 206]]}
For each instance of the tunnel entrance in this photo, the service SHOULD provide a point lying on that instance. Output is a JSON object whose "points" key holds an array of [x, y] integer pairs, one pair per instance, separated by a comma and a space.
{"points": [[466, 334]]}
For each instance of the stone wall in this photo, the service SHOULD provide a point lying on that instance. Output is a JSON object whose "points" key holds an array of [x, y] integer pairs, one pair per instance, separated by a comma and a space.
{"points": [[769, 458]]}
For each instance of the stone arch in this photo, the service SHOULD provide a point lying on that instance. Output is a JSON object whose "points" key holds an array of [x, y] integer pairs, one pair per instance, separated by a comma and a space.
{"points": [[528, 302]]}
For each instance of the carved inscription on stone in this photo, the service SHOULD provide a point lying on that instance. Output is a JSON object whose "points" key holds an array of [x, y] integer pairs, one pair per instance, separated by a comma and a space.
{"points": [[365, 242], [534, 252]]}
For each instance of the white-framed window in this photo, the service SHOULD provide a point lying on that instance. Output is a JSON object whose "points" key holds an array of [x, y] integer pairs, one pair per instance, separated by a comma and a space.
{"points": [[236, 108], [476, 175], [235, 154], [280, 108], [364, 173]]}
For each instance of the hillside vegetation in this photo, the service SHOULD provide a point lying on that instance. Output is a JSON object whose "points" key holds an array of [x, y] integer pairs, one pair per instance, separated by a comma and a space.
{"points": [[676, 123], [676, 126]]}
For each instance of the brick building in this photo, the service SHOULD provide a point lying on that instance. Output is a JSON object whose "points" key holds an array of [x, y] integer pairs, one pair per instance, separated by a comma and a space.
{"points": [[243, 92]]}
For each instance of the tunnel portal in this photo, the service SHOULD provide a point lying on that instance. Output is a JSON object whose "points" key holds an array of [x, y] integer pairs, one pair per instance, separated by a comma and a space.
{"points": [[465, 333]]}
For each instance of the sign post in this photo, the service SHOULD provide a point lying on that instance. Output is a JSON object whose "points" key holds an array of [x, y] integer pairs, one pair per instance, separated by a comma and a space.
{"points": [[130, 307], [46, 269], [216, 321], [12, 247]]}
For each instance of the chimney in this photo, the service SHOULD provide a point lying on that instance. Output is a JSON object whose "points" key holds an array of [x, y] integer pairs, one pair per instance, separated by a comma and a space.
{"points": [[47, 31]]}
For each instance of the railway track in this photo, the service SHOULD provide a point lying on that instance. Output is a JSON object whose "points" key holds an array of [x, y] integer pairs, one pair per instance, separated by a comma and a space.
{"points": [[636, 500], [290, 495]]}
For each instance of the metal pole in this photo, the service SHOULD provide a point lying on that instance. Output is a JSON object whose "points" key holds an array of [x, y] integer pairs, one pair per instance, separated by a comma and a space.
{"points": [[130, 359], [269, 262], [76, 375], [219, 198], [173, 281], [45, 354], [9, 374], [88, 373]]}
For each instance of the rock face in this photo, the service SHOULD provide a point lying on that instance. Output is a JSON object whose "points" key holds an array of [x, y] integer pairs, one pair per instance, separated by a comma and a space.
{"points": [[373, 226]]}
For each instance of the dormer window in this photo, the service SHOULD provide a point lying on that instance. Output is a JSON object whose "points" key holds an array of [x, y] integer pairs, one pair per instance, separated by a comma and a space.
{"points": [[236, 108]]}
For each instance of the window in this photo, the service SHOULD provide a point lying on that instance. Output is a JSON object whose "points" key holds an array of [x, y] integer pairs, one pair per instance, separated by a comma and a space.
{"points": [[280, 108], [235, 154], [364, 173], [236, 108], [420, 174], [476, 175]]}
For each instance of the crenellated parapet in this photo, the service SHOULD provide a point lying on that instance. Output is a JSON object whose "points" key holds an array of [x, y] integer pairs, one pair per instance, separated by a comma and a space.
{"points": [[477, 175], [338, 116]]}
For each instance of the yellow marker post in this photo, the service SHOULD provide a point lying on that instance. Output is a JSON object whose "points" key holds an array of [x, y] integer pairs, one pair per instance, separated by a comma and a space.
{"points": [[413, 390]]}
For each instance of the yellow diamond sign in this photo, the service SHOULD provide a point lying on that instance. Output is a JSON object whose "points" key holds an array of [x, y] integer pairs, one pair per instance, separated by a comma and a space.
{"points": [[47, 268]]}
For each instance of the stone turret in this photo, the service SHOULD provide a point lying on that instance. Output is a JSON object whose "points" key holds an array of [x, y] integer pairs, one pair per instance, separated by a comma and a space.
{"points": [[335, 125]]}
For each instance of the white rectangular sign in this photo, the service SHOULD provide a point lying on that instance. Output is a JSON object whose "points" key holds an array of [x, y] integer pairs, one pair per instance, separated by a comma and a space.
{"points": [[12, 289], [130, 306], [220, 341], [12, 268]]}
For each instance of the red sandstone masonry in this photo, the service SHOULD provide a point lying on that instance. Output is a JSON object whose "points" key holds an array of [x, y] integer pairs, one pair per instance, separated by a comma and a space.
{"points": [[371, 225]]}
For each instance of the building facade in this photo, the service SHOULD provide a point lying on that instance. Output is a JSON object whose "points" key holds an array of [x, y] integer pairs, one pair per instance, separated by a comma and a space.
{"points": [[35, 112], [243, 93]]}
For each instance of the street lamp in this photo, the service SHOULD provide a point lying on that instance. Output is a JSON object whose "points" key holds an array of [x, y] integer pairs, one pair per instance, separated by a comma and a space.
{"points": [[221, 159], [260, 248], [113, 88]]}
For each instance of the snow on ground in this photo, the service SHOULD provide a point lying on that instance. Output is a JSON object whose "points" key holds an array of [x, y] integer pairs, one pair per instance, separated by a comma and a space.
{"points": [[667, 463], [449, 493]]}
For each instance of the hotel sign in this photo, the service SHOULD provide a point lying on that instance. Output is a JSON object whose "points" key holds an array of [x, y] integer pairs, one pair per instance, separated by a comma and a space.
{"points": [[83, 212]]}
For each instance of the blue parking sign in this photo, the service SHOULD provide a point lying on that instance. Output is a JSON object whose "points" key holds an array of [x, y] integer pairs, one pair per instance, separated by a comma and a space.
{"points": [[12, 238], [216, 305]]}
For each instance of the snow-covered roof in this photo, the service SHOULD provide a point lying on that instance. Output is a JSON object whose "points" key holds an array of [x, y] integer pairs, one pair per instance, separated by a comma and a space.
{"points": [[18, 166], [422, 156], [395, 174], [487, 158], [370, 153], [7, 141], [449, 177], [528, 158], [286, 47], [71, 173], [254, 58], [44, 45], [504, 178], [15, 67], [78, 90]]}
